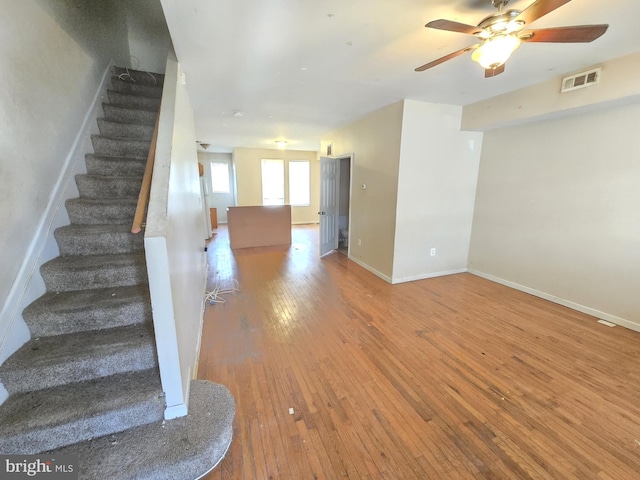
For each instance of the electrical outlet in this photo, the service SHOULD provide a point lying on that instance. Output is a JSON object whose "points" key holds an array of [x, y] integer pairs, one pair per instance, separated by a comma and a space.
{"points": [[433, 252], [359, 242]]}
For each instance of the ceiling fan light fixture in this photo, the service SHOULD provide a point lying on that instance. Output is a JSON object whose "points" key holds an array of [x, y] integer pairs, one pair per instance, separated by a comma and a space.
{"points": [[495, 51]]}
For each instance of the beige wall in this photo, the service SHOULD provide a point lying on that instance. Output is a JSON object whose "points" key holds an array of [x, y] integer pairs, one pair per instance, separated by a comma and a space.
{"points": [[436, 191], [557, 211], [248, 167], [375, 142]]}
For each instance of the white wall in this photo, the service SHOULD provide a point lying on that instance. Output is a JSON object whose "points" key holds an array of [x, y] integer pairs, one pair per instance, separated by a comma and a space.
{"points": [[374, 139], [174, 244], [53, 58], [436, 192], [148, 35], [557, 211]]}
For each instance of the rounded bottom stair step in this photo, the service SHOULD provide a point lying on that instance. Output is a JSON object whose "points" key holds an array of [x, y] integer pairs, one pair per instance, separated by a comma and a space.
{"points": [[182, 448]]}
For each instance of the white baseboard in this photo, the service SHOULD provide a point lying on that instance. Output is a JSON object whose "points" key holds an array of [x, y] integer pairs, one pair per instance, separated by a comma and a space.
{"points": [[561, 301], [28, 284], [428, 275], [175, 411], [386, 278]]}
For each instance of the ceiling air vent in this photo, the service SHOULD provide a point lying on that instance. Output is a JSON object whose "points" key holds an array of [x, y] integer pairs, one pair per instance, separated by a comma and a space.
{"points": [[581, 80]]}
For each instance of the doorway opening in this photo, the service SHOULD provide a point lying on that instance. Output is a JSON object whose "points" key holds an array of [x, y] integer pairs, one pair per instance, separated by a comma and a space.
{"points": [[344, 197], [335, 203]]}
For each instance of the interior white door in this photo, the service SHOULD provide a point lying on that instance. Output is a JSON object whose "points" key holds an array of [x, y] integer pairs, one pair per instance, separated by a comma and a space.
{"points": [[328, 205]]}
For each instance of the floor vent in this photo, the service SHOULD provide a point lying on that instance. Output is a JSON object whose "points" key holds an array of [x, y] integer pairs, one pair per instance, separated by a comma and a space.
{"points": [[581, 80], [608, 324]]}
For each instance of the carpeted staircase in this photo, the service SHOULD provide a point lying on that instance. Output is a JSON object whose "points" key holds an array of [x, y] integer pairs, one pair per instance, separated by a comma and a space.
{"points": [[90, 369]]}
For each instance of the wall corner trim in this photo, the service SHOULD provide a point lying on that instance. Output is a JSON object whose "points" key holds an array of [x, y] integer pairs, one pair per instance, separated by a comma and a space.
{"points": [[424, 276], [377, 273]]}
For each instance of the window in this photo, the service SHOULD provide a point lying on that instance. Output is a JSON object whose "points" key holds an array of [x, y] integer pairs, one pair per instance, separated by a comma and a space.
{"points": [[272, 181], [299, 183], [220, 177]]}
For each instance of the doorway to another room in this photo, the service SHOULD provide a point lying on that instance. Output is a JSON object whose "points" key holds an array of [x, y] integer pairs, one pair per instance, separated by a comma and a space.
{"points": [[220, 185], [344, 197], [335, 203]]}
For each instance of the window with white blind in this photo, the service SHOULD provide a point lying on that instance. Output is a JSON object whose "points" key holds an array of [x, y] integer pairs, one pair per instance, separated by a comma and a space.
{"points": [[272, 181], [299, 183]]}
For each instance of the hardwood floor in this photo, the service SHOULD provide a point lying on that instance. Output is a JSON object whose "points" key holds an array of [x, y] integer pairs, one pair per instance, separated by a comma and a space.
{"points": [[454, 377]]}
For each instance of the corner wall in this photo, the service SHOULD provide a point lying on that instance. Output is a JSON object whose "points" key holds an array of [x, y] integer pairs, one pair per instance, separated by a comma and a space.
{"points": [[174, 244], [436, 192], [375, 142]]}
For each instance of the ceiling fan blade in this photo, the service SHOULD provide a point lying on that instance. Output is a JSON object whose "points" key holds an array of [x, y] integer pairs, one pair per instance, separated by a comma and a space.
{"points": [[538, 9], [452, 26], [492, 72], [576, 34], [445, 58]]}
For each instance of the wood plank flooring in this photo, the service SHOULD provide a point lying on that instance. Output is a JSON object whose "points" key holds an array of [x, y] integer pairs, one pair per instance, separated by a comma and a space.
{"points": [[454, 377]]}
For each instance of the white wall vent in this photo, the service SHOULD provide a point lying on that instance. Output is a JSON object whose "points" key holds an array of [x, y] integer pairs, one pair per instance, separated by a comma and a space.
{"points": [[581, 80]]}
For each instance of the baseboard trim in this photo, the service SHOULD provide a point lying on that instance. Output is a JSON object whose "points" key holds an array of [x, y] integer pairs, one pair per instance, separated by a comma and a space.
{"points": [[377, 273], [560, 301], [424, 276], [175, 411], [28, 286]]}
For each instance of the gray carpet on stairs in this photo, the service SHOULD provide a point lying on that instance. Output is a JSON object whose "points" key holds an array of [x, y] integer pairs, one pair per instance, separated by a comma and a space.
{"points": [[181, 449], [88, 381]]}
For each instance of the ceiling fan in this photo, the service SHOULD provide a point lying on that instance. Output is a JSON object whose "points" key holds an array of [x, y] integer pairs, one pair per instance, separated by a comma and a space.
{"points": [[501, 34]]}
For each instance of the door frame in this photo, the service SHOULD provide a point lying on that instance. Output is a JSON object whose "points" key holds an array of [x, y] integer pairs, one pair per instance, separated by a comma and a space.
{"points": [[349, 157], [338, 159]]}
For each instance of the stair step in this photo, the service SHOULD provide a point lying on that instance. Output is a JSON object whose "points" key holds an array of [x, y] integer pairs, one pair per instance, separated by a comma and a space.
{"points": [[110, 128], [139, 77], [108, 186], [89, 211], [82, 272], [136, 88], [52, 361], [51, 418], [79, 311], [105, 165], [133, 100], [117, 113], [184, 448], [120, 147], [98, 240]]}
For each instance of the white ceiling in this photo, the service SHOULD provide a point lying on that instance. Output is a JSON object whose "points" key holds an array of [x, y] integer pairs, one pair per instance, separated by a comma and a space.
{"points": [[297, 69]]}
